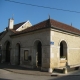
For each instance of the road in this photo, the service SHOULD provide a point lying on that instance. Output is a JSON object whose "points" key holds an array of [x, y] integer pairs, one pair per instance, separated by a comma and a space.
{"points": [[6, 75]]}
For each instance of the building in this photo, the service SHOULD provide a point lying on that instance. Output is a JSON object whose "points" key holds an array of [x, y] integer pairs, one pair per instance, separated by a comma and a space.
{"points": [[6, 41], [47, 45]]}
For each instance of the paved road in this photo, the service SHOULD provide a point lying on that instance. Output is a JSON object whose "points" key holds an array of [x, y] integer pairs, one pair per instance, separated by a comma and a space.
{"points": [[6, 75]]}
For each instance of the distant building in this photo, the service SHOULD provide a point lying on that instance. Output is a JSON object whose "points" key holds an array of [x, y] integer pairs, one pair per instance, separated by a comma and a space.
{"points": [[47, 45]]}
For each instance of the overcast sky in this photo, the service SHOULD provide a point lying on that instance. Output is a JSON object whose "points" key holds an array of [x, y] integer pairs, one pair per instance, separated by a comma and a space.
{"points": [[34, 14]]}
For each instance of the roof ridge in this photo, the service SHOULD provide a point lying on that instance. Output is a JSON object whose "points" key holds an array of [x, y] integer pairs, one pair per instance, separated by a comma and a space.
{"points": [[65, 24], [19, 23], [53, 24]]}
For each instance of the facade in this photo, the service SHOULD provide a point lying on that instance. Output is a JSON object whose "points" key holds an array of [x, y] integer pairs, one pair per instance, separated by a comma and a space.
{"points": [[47, 45], [6, 41]]}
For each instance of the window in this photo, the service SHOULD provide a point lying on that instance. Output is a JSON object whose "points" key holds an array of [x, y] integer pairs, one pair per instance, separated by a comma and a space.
{"points": [[63, 49], [26, 54]]}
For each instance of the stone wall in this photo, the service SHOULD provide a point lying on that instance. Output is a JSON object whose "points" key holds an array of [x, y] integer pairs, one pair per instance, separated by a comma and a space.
{"points": [[27, 41], [3, 42], [73, 48]]}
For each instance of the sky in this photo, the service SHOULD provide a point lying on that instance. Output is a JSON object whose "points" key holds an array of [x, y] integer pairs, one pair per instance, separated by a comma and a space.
{"points": [[22, 12]]}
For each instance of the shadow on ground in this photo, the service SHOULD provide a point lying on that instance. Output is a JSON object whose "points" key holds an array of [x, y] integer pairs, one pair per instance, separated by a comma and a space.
{"points": [[16, 67], [68, 77], [23, 70], [4, 79]]}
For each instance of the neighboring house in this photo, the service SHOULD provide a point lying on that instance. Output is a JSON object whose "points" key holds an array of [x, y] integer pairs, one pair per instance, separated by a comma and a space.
{"points": [[47, 45], [6, 41]]}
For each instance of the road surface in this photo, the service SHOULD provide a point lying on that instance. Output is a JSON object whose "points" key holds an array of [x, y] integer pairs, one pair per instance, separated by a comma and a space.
{"points": [[6, 75]]}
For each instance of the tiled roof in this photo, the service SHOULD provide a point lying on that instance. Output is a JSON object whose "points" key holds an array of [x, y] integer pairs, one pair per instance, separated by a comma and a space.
{"points": [[41, 25], [13, 30], [50, 23], [2, 34], [65, 27], [18, 25]]}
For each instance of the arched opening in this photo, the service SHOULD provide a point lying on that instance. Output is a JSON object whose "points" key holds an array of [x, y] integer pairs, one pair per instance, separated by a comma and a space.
{"points": [[8, 51], [38, 47], [39, 54], [17, 55], [63, 49]]}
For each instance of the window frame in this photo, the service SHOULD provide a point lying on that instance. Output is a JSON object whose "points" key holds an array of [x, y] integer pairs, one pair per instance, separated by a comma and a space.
{"points": [[26, 51]]}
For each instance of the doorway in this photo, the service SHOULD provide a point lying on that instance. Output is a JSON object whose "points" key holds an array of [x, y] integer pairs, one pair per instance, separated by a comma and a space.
{"points": [[17, 54], [8, 52], [39, 54]]}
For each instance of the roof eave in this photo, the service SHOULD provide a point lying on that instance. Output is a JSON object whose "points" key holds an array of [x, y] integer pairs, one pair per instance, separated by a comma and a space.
{"points": [[64, 30], [28, 31]]}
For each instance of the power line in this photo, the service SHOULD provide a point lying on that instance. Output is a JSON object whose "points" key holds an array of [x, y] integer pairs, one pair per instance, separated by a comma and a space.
{"points": [[43, 6]]}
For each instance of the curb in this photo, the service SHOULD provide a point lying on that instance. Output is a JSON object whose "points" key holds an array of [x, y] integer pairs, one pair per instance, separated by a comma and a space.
{"points": [[28, 73], [43, 74]]}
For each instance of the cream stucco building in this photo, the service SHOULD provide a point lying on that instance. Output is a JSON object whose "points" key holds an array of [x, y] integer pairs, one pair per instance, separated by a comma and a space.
{"points": [[47, 45]]}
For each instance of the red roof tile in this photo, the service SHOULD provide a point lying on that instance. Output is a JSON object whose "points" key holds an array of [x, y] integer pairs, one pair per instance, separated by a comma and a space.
{"points": [[50, 23], [64, 26], [18, 25], [35, 27]]}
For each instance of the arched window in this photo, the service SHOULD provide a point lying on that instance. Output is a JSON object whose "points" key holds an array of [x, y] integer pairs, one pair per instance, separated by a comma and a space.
{"points": [[63, 49]]}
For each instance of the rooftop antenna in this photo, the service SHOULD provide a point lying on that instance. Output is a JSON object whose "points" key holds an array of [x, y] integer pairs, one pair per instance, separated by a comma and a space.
{"points": [[49, 16], [71, 24], [12, 16]]}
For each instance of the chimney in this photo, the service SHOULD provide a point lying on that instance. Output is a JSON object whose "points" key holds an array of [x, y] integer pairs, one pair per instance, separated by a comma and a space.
{"points": [[11, 23]]}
